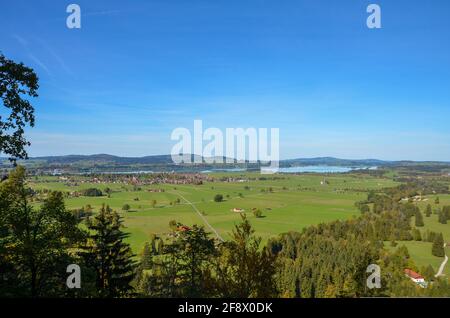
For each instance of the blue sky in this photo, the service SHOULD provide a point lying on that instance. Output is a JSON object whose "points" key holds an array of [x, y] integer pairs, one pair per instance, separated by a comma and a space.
{"points": [[136, 70]]}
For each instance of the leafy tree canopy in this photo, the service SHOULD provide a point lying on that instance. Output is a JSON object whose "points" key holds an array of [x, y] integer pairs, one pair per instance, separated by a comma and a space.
{"points": [[16, 82]]}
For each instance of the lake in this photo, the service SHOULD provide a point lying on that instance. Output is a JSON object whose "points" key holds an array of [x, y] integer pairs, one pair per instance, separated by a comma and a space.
{"points": [[302, 169]]}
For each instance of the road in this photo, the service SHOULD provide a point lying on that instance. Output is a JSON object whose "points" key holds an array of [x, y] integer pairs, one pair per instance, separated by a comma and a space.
{"points": [[441, 268]]}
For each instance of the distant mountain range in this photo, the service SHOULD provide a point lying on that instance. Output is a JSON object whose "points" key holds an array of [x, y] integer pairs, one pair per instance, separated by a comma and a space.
{"points": [[331, 161]]}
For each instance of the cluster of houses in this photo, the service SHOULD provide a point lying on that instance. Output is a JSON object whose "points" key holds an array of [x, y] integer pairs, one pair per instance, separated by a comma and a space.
{"points": [[172, 178], [148, 179], [156, 190], [416, 198], [234, 179]]}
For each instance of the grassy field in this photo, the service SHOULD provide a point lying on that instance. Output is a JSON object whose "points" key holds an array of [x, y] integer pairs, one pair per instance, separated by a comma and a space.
{"points": [[421, 251], [296, 201]]}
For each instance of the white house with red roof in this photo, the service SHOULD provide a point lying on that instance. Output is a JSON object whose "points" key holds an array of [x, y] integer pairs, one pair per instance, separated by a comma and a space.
{"points": [[416, 277]]}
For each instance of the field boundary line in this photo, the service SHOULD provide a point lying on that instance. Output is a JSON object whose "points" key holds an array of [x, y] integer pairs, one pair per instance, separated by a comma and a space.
{"points": [[201, 216]]}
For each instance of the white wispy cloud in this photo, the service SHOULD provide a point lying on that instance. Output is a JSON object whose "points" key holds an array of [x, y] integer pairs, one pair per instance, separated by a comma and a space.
{"points": [[59, 60], [26, 45], [39, 63], [105, 12], [20, 39]]}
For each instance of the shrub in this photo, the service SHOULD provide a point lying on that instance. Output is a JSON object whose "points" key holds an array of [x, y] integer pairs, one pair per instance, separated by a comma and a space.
{"points": [[173, 225], [218, 198], [257, 213], [92, 192]]}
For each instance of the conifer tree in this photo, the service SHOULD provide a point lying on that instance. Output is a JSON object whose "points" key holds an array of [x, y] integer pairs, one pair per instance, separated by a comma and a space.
{"points": [[108, 256], [428, 211], [147, 257], [428, 273], [442, 218], [416, 235], [438, 246], [419, 218], [196, 250], [446, 212], [245, 270]]}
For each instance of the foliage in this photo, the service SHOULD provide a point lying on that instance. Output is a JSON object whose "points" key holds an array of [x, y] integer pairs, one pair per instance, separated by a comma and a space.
{"points": [[92, 192], [218, 198], [419, 218], [16, 80], [244, 269], [428, 211], [438, 246], [35, 243], [257, 213], [195, 265], [108, 256]]}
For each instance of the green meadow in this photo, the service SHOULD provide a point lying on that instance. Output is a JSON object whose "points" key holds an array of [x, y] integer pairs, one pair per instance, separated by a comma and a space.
{"points": [[288, 203], [420, 252], [291, 202]]}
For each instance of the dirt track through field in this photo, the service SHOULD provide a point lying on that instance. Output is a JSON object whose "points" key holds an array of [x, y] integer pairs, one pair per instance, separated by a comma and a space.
{"points": [[201, 216], [441, 268]]}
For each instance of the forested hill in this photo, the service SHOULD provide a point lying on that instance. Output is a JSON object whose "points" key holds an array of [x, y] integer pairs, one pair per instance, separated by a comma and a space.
{"points": [[331, 161], [159, 159], [99, 160], [104, 158]]}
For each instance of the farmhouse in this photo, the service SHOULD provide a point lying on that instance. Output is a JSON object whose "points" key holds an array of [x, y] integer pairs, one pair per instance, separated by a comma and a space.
{"points": [[183, 228], [156, 190], [416, 198], [416, 277]]}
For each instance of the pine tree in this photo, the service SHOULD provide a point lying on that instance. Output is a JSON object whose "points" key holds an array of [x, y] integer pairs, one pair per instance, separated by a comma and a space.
{"points": [[428, 211], [442, 218], [160, 246], [438, 246], [446, 212], [147, 257], [437, 200], [428, 273], [245, 269], [108, 256], [430, 236], [196, 249], [416, 235], [419, 218], [349, 287]]}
